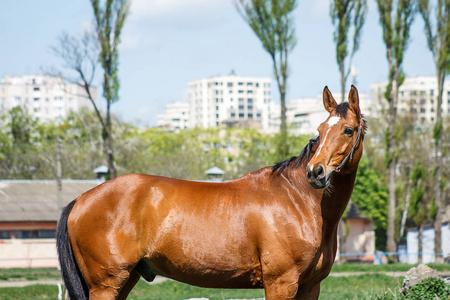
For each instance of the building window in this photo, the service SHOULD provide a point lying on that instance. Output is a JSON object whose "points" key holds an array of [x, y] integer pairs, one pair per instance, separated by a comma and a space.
{"points": [[233, 115], [241, 107], [431, 92], [250, 107], [4, 235], [249, 83], [36, 88], [240, 91], [217, 107], [27, 234], [250, 116], [257, 84], [217, 116], [36, 99], [250, 100], [230, 84], [240, 83], [250, 92], [241, 116]]}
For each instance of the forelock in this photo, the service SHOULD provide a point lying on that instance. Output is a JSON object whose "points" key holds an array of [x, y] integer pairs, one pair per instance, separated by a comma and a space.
{"points": [[341, 109]]}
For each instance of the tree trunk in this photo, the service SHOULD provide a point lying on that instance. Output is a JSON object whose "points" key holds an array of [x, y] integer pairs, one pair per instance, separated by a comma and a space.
{"points": [[391, 150], [437, 224], [343, 79], [59, 171], [405, 212], [108, 142], [284, 149], [342, 240], [419, 241]]}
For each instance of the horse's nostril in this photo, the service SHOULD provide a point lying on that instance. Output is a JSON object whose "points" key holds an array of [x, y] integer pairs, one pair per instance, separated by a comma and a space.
{"points": [[319, 172]]}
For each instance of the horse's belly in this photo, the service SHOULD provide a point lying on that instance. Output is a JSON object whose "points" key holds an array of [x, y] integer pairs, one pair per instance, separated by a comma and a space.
{"points": [[211, 272]]}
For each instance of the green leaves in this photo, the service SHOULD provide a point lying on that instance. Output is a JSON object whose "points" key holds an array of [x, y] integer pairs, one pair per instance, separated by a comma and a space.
{"points": [[109, 21], [371, 196], [273, 24]]}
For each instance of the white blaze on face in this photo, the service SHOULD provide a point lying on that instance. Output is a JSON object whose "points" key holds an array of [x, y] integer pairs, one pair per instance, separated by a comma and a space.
{"points": [[331, 122]]}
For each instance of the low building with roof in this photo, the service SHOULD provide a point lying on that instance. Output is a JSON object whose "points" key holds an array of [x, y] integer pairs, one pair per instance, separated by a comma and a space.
{"points": [[29, 212], [359, 236]]}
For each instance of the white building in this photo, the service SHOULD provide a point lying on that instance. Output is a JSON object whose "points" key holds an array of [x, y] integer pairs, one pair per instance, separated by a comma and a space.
{"points": [[417, 95], [175, 116], [304, 115], [230, 99], [44, 97]]}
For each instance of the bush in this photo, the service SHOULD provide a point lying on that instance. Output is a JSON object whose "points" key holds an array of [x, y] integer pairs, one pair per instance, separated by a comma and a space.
{"points": [[427, 289], [430, 288]]}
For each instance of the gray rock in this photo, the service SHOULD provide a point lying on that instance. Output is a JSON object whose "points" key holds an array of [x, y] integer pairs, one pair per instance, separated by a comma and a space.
{"points": [[416, 275]]}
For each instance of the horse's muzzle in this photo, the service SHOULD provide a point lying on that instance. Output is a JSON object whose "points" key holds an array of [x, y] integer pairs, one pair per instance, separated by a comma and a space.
{"points": [[318, 178]]}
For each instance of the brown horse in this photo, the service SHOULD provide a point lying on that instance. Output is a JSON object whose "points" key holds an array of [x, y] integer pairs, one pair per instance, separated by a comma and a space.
{"points": [[274, 228]]}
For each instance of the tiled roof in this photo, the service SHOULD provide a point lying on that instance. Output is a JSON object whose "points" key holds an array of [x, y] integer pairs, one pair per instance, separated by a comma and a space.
{"points": [[36, 200]]}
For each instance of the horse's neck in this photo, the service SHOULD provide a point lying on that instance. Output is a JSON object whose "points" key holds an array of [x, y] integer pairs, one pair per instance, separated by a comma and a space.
{"points": [[336, 199]]}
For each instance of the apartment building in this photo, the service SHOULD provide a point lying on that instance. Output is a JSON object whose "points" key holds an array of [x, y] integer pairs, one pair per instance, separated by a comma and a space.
{"points": [[417, 95], [175, 117], [45, 97], [304, 115], [230, 99]]}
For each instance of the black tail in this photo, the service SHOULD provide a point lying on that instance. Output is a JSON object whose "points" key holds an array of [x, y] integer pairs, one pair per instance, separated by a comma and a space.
{"points": [[75, 285]]}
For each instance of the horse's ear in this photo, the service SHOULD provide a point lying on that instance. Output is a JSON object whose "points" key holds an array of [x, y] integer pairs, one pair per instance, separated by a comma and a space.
{"points": [[353, 100], [328, 100]]}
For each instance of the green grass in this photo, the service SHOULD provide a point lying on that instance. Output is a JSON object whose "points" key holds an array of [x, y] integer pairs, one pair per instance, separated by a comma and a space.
{"points": [[36, 291], [367, 286], [345, 287], [29, 274], [356, 267], [172, 290]]}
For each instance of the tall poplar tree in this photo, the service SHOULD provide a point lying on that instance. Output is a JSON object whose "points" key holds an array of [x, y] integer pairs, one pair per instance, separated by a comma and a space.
{"points": [[272, 22], [418, 209], [109, 20], [438, 39], [396, 18], [82, 56], [347, 14]]}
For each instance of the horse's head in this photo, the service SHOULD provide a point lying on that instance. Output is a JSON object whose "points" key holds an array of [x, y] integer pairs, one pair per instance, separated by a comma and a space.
{"points": [[340, 140]]}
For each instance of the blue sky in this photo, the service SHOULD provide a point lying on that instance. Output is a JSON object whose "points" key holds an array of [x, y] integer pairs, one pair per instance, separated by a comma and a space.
{"points": [[167, 43]]}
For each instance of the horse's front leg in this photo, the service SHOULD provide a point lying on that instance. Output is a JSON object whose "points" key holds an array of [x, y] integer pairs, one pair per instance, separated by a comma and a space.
{"points": [[281, 287], [308, 292]]}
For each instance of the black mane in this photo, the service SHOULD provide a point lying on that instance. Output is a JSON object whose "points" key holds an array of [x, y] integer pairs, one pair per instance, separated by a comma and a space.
{"points": [[341, 111], [280, 166]]}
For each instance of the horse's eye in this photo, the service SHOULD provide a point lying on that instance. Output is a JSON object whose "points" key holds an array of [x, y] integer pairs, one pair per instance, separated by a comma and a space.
{"points": [[348, 131]]}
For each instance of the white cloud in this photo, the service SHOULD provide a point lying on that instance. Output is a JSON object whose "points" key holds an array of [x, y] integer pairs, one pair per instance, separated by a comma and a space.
{"points": [[145, 8], [176, 13]]}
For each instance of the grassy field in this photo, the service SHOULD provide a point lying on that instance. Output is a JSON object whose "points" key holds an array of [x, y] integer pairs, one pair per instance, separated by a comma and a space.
{"points": [[366, 286]]}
